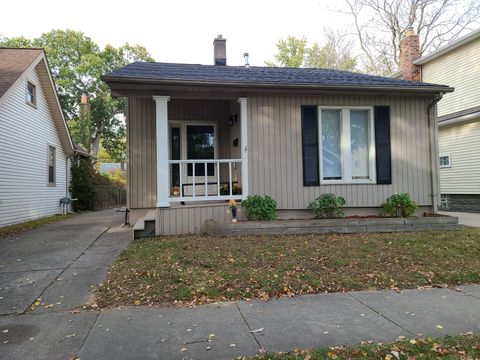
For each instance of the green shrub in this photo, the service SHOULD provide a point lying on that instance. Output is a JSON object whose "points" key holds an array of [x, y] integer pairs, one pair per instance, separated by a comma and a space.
{"points": [[260, 207], [327, 206], [81, 185], [399, 205], [84, 178]]}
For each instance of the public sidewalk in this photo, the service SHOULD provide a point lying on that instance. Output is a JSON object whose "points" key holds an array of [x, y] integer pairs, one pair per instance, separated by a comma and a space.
{"points": [[229, 330]]}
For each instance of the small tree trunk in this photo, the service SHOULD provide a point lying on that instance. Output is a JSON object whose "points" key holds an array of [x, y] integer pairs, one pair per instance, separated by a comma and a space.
{"points": [[96, 144]]}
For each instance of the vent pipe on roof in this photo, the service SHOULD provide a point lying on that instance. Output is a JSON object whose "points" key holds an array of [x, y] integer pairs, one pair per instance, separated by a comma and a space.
{"points": [[247, 63], [220, 51]]}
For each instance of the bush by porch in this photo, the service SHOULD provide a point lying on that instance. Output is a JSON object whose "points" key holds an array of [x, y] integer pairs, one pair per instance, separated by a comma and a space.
{"points": [[195, 269]]}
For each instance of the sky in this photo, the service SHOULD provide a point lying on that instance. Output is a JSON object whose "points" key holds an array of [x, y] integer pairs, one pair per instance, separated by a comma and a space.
{"points": [[180, 30]]}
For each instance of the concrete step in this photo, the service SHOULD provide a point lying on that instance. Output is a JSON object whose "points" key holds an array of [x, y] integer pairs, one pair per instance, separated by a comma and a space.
{"points": [[145, 226]]}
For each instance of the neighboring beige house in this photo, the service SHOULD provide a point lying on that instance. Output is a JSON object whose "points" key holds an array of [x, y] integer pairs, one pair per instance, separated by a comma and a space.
{"points": [[35, 144], [199, 135], [458, 65]]}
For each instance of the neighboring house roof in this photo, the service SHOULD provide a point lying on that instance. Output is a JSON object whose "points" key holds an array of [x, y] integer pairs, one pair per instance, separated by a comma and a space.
{"points": [[15, 64], [80, 150], [170, 73], [449, 47]]}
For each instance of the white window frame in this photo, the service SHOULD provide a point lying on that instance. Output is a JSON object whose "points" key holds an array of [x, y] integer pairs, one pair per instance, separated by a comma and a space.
{"points": [[345, 146], [54, 182], [443, 201], [447, 155], [34, 95]]}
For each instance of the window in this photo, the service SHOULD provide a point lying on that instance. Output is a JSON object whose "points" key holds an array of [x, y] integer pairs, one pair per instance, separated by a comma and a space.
{"points": [[445, 161], [31, 94], [347, 145], [51, 165], [443, 201]]}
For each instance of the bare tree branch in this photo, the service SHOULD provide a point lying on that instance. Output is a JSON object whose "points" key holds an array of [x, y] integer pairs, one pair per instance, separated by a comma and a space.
{"points": [[381, 24]]}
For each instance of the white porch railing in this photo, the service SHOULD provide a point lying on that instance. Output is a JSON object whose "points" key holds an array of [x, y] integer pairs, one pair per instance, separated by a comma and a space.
{"points": [[204, 187]]}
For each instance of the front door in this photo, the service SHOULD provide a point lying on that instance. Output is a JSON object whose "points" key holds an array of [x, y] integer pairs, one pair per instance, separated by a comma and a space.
{"points": [[200, 144], [194, 141]]}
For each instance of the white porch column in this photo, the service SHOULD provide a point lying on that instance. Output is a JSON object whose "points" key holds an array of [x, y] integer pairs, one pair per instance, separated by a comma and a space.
{"points": [[161, 104], [244, 144]]}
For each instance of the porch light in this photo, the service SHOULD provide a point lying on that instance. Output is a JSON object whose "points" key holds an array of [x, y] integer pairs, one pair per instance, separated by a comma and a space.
{"points": [[232, 119]]}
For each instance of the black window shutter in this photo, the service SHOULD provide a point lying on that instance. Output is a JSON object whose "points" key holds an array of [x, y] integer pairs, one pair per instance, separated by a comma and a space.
{"points": [[310, 145], [382, 145]]}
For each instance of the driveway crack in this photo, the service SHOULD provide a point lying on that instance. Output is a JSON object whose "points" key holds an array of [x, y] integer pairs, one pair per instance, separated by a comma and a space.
{"points": [[65, 269]]}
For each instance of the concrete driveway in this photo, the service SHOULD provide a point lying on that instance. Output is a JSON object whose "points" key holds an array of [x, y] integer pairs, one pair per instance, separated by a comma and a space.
{"points": [[59, 264], [470, 219]]}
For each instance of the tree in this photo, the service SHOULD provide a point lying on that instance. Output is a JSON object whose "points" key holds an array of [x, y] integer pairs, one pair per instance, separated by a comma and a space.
{"points": [[381, 24], [291, 52], [335, 54], [77, 63]]}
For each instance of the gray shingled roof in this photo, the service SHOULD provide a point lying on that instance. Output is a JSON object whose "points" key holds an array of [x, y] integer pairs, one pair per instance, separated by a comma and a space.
{"points": [[196, 73]]}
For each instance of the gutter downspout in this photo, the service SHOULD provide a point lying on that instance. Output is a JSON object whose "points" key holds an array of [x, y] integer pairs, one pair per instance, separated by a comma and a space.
{"points": [[434, 153]]}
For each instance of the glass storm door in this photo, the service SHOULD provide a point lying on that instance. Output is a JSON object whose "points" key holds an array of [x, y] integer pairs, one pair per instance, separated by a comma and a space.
{"points": [[200, 145]]}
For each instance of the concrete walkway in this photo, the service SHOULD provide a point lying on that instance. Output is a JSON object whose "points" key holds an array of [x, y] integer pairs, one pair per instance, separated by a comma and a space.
{"points": [[470, 219], [59, 263], [62, 262]]}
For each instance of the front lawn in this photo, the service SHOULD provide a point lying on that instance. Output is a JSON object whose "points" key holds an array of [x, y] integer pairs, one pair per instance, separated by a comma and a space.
{"points": [[197, 269], [450, 347], [14, 229]]}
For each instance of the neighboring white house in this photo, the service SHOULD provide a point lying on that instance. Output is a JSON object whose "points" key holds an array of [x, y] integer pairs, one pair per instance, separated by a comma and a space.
{"points": [[35, 144], [458, 65]]}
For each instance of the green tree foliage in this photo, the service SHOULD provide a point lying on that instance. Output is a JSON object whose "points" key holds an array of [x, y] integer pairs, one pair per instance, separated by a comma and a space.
{"points": [[77, 64], [291, 52], [81, 186], [335, 54]]}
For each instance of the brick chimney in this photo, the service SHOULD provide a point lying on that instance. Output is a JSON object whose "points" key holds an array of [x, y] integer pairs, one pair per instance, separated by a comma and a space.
{"points": [[409, 52], [220, 51]]}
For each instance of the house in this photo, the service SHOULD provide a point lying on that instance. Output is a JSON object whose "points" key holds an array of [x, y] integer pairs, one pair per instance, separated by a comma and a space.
{"points": [[457, 64], [198, 135], [35, 144]]}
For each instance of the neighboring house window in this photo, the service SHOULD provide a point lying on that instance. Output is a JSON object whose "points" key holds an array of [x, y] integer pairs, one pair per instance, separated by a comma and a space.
{"points": [[51, 165], [31, 94], [445, 161], [444, 201], [347, 145]]}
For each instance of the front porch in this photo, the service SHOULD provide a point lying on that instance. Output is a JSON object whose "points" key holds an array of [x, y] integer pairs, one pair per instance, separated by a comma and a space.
{"points": [[201, 150]]}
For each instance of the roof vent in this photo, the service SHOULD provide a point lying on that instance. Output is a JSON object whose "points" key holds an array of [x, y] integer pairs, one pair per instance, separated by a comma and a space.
{"points": [[220, 51], [247, 63]]}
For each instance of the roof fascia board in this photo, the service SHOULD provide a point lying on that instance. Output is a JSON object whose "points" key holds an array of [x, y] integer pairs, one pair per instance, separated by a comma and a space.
{"points": [[429, 89], [59, 106]]}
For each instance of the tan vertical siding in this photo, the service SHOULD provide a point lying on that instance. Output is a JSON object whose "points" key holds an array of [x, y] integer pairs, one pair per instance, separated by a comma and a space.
{"points": [[275, 158], [275, 152], [190, 219], [460, 68]]}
